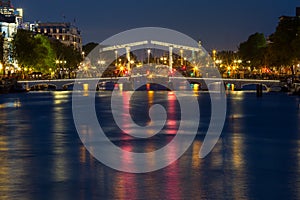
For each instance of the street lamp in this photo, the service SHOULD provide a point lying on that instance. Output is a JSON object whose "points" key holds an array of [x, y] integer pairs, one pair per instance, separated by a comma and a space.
{"points": [[61, 65], [236, 65], [181, 56], [214, 54], [149, 51], [116, 53]]}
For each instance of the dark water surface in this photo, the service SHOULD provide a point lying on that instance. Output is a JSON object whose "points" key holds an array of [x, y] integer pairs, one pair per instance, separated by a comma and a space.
{"points": [[257, 156]]}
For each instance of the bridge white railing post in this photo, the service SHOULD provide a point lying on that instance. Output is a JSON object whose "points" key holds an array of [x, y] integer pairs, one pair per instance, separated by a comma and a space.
{"points": [[170, 58], [128, 59]]}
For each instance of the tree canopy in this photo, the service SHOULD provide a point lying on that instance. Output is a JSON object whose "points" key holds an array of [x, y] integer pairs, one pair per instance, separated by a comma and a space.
{"points": [[254, 49], [40, 53], [284, 48]]}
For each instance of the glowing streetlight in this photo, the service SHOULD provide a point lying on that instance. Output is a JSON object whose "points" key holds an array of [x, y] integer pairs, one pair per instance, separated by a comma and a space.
{"points": [[116, 53], [149, 51], [181, 56], [214, 54]]}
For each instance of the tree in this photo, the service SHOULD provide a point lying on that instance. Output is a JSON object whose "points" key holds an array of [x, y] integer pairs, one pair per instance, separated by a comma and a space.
{"points": [[32, 51], [254, 49], [66, 53], [89, 47], [284, 47], [22, 42], [39, 53], [47, 63]]}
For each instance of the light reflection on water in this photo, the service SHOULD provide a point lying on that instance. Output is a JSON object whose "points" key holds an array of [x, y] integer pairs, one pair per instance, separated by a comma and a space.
{"points": [[257, 156]]}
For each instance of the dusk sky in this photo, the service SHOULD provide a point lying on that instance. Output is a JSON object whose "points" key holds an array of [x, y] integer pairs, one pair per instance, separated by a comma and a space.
{"points": [[219, 24]]}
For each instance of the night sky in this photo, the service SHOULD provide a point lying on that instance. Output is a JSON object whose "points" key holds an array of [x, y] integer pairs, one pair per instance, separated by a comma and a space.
{"points": [[219, 24]]}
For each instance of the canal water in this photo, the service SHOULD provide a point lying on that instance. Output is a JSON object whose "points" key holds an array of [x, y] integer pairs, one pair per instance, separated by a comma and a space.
{"points": [[257, 156]]}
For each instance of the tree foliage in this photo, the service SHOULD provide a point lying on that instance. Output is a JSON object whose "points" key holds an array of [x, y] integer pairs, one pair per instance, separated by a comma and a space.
{"points": [[27, 49], [66, 53], [284, 48], [254, 49], [40, 53], [89, 47]]}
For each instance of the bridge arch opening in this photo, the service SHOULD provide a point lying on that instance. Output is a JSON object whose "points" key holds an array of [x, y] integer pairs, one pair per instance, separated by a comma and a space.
{"points": [[253, 86]]}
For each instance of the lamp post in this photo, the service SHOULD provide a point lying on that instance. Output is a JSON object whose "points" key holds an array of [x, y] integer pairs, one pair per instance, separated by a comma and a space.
{"points": [[148, 51], [116, 54], [61, 65], [214, 52], [181, 56], [236, 66]]}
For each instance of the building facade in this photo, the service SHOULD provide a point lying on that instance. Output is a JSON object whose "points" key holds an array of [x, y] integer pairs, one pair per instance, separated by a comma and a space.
{"points": [[10, 20], [66, 33]]}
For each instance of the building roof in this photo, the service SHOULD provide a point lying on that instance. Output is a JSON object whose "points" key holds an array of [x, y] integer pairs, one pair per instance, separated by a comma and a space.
{"points": [[64, 24], [5, 4]]}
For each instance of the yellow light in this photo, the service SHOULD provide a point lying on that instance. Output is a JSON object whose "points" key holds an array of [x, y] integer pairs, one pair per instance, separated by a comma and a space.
{"points": [[196, 87], [85, 87], [122, 68], [1, 66], [121, 87]]}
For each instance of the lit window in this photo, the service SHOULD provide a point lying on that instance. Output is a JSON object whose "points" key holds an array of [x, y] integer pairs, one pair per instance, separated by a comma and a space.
{"points": [[45, 30], [57, 30]]}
